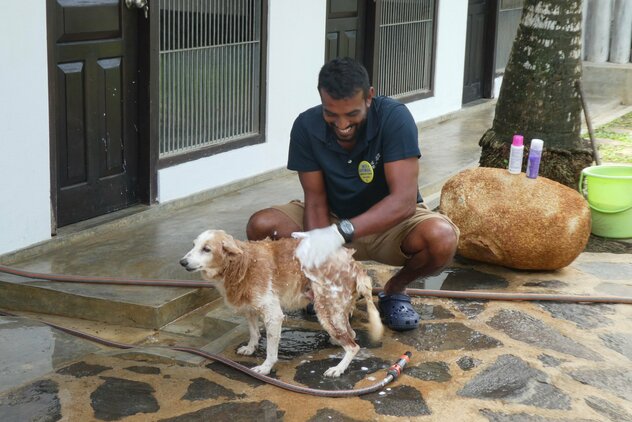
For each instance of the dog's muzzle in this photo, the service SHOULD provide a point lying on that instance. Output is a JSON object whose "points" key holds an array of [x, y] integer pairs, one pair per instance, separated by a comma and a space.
{"points": [[185, 263]]}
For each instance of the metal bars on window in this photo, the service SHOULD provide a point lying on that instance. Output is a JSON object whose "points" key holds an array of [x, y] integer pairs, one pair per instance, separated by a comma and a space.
{"points": [[210, 54], [509, 15], [406, 39]]}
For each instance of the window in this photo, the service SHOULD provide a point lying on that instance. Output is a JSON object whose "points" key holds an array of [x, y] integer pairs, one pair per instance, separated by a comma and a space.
{"points": [[509, 14], [404, 54], [210, 76]]}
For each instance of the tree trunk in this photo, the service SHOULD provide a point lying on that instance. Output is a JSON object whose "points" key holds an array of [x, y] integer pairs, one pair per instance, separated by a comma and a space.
{"points": [[539, 97]]}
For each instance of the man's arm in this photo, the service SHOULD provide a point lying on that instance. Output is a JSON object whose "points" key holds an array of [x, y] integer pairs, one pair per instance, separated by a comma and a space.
{"points": [[401, 177], [319, 238], [316, 206]]}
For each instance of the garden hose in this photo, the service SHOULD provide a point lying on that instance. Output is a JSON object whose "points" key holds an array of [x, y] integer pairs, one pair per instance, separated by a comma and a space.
{"points": [[392, 373], [450, 294]]}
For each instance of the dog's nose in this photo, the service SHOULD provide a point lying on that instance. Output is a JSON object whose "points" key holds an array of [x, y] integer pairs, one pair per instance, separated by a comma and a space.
{"points": [[184, 262]]}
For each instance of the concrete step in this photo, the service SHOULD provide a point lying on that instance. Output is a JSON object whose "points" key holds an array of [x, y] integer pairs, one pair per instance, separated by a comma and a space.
{"points": [[133, 306]]}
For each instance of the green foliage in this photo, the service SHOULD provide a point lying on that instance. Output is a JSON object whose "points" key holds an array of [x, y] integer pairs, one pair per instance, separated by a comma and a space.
{"points": [[617, 135], [615, 154]]}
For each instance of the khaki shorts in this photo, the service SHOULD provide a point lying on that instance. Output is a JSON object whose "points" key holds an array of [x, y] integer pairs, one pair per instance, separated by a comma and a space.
{"points": [[384, 247]]}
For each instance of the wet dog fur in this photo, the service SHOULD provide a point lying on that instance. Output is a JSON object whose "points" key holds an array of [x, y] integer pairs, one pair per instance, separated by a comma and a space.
{"points": [[261, 279]]}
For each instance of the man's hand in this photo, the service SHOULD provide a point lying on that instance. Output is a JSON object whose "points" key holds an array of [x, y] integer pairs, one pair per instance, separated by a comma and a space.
{"points": [[316, 245]]}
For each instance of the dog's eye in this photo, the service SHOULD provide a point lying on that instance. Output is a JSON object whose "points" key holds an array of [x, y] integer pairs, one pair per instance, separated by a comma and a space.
{"points": [[206, 249]]}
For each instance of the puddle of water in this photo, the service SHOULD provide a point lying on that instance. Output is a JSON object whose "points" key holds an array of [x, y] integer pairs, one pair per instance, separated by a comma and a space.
{"points": [[35, 402], [27, 353], [295, 342], [311, 373], [460, 279]]}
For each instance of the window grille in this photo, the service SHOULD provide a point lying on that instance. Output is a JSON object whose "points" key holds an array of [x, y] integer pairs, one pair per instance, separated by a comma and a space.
{"points": [[210, 55], [405, 47], [509, 15]]}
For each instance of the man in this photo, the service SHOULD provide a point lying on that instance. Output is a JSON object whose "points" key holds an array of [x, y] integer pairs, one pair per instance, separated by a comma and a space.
{"points": [[357, 160]]}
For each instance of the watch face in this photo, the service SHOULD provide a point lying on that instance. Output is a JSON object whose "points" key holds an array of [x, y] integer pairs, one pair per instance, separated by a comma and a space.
{"points": [[346, 227]]}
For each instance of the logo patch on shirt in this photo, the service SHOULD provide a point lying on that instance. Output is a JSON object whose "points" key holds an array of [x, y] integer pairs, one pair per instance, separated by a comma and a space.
{"points": [[365, 170]]}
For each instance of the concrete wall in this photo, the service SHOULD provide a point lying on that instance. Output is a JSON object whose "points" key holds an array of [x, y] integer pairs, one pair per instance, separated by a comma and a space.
{"points": [[608, 80], [24, 142], [293, 65]]}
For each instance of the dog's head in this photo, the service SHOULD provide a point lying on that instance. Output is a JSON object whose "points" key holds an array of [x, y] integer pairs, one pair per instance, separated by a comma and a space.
{"points": [[210, 249]]}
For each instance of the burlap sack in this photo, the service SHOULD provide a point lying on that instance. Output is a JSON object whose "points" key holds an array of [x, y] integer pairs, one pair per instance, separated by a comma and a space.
{"points": [[514, 221]]}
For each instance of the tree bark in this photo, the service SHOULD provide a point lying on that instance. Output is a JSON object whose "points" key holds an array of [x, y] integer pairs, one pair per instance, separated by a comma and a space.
{"points": [[538, 97]]}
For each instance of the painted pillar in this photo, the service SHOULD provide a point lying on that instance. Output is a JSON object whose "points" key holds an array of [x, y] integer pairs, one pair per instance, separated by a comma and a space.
{"points": [[597, 36], [621, 41], [584, 14]]}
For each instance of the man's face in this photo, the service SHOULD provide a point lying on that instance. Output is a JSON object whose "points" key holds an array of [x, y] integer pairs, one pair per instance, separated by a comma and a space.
{"points": [[346, 116]]}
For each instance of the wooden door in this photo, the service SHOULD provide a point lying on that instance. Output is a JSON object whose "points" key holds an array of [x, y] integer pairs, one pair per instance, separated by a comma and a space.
{"points": [[94, 84], [345, 29], [477, 78]]}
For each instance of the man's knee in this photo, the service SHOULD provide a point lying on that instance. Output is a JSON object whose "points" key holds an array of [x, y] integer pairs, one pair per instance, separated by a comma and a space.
{"points": [[259, 225], [442, 239], [270, 223], [436, 239]]}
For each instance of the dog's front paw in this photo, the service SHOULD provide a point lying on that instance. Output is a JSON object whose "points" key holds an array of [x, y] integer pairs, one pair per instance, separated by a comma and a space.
{"points": [[262, 369], [334, 372], [246, 350]]}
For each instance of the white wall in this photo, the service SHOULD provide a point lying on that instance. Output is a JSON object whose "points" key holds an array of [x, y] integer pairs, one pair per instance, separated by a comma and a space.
{"points": [[450, 62], [296, 47], [24, 142], [497, 84]]}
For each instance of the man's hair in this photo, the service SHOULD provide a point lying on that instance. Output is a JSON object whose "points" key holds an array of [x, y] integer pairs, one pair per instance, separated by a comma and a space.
{"points": [[343, 78]]}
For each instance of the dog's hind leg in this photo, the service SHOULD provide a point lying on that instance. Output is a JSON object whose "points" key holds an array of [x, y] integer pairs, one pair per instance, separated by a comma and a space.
{"points": [[273, 319], [253, 327]]}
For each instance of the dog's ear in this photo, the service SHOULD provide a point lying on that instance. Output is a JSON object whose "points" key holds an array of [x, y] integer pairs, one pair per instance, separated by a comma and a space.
{"points": [[230, 247]]}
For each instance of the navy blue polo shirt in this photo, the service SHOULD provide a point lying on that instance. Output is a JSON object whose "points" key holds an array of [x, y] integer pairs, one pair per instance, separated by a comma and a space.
{"points": [[389, 134]]}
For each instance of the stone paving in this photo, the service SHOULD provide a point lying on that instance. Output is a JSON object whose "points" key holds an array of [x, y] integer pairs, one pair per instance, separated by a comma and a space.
{"points": [[472, 360]]}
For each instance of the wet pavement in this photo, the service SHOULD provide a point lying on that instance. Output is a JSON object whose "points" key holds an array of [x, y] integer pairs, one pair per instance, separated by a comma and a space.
{"points": [[472, 360]]}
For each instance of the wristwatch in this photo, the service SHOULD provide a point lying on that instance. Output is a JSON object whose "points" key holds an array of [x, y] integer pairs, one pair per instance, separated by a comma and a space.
{"points": [[346, 229]]}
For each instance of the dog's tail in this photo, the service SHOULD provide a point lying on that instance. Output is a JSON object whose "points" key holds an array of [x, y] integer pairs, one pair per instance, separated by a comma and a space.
{"points": [[376, 329]]}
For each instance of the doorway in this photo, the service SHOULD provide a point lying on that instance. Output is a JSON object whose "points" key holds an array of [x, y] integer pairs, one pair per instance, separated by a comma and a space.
{"points": [[479, 50], [346, 23]]}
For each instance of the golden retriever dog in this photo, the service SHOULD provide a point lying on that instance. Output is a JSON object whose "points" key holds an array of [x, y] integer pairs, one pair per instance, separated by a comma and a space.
{"points": [[264, 278]]}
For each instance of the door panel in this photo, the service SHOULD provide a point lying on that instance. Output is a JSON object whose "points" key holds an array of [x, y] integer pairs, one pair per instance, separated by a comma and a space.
{"points": [[96, 108], [345, 29], [342, 38], [71, 130], [474, 78]]}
